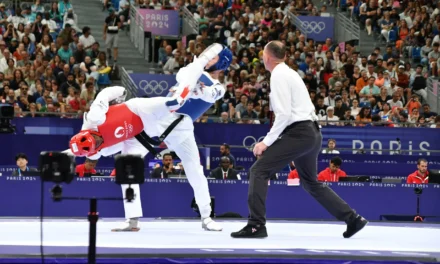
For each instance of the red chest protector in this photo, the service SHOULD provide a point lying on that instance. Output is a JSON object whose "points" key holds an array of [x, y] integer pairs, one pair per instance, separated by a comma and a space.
{"points": [[120, 124]]}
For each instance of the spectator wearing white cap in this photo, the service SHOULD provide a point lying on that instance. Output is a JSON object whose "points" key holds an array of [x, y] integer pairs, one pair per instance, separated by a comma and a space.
{"points": [[326, 120]]}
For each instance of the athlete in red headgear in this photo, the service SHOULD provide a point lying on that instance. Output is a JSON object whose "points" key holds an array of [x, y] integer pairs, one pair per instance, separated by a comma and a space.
{"points": [[111, 129]]}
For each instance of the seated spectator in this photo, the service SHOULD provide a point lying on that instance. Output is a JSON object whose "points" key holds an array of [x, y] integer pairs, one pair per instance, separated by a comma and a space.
{"points": [[369, 91], [348, 118], [320, 107], [436, 122], [172, 65], [224, 171], [428, 114], [395, 101], [330, 99], [364, 116], [87, 168], [22, 163], [65, 52], [224, 118], [414, 115], [249, 114], [414, 103], [204, 119], [340, 108], [88, 95], [377, 120], [166, 169], [331, 147], [333, 172], [225, 151], [420, 176], [326, 120]]}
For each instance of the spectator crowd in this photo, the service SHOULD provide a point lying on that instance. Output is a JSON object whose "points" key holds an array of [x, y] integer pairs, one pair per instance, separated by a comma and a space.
{"points": [[386, 87], [49, 65]]}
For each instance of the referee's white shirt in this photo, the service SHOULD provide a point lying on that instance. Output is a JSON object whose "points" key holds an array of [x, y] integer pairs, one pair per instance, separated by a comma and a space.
{"points": [[289, 100]]}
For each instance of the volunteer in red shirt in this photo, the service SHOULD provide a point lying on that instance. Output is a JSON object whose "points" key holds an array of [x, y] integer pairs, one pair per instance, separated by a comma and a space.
{"points": [[332, 173], [87, 168], [293, 174], [421, 174]]}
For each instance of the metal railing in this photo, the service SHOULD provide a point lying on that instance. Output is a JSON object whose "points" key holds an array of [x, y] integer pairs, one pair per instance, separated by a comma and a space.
{"points": [[346, 29], [128, 83], [433, 94], [297, 22], [190, 25], [137, 32]]}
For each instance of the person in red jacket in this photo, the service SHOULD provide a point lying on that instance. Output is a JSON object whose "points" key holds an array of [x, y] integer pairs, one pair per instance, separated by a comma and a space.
{"points": [[293, 174], [332, 173], [420, 176], [88, 167]]}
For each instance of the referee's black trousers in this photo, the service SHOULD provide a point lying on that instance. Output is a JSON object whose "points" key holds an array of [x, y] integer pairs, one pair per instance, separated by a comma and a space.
{"points": [[300, 143]]}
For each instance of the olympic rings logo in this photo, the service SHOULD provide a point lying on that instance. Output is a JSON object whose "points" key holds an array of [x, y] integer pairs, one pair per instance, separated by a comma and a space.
{"points": [[249, 142], [313, 26], [153, 87]]}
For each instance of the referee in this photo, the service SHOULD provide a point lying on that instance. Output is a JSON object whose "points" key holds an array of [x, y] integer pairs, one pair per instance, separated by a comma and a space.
{"points": [[295, 136]]}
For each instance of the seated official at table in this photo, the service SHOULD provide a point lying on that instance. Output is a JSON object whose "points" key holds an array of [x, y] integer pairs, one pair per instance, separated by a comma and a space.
{"points": [[22, 160], [87, 168], [333, 172], [166, 169], [421, 175], [224, 171]]}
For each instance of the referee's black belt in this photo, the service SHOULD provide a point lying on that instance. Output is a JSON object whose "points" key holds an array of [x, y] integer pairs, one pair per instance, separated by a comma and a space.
{"points": [[293, 125], [148, 142]]}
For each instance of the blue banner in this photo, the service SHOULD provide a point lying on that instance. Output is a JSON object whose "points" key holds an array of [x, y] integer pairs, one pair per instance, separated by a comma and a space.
{"points": [[317, 28], [230, 196], [379, 139], [152, 85]]}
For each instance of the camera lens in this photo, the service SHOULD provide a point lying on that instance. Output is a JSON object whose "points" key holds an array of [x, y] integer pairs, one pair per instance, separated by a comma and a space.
{"points": [[418, 190]]}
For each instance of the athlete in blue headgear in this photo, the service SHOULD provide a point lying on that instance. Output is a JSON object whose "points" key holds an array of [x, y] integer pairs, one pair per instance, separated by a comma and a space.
{"points": [[197, 89], [208, 64]]}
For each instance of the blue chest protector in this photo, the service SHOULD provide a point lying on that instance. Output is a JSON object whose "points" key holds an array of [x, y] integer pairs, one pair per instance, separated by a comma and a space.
{"points": [[195, 108]]}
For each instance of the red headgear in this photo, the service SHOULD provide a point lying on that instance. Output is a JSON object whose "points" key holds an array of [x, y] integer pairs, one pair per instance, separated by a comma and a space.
{"points": [[83, 143]]}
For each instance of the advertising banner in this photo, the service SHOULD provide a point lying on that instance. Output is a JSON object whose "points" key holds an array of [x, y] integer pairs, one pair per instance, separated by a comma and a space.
{"points": [[161, 22], [380, 139]]}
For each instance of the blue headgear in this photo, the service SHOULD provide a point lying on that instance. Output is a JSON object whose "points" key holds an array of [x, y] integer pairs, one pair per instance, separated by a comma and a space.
{"points": [[224, 60]]}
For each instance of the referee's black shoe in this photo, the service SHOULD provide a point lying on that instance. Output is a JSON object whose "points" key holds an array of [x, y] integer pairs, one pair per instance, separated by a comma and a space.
{"points": [[251, 231], [355, 225]]}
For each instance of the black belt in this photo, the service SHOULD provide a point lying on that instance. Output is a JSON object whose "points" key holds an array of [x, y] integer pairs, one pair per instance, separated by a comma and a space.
{"points": [[300, 122], [148, 142]]}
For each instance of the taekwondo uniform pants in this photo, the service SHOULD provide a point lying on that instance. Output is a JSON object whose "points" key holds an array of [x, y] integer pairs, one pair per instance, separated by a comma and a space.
{"points": [[157, 117]]}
